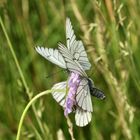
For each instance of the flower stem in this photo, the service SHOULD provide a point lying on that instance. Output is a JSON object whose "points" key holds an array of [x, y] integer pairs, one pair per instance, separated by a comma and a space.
{"points": [[14, 56], [21, 74], [70, 125], [26, 109]]}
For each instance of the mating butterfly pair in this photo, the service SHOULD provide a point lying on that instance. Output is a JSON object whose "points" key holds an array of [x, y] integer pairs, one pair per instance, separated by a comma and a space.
{"points": [[80, 88]]}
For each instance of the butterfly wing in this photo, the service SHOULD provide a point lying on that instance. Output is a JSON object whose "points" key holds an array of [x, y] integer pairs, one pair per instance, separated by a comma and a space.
{"points": [[76, 47], [71, 63], [59, 96], [83, 97], [82, 117], [70, 36], [53, 55]]}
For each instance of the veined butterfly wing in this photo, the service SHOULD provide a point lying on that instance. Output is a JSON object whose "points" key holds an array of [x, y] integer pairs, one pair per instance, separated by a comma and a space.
{"points": [[71, 63], [83, 97], [59, 96], [76, 47], [70, 36], [53, 55], [82, 117]]}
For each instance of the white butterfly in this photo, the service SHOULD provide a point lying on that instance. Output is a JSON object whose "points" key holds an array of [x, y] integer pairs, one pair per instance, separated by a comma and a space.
{"points": [[74, 59]]}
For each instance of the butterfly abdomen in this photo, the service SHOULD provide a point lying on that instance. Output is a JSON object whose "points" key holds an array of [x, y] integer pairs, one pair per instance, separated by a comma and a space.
{"points": [[94, 91]]}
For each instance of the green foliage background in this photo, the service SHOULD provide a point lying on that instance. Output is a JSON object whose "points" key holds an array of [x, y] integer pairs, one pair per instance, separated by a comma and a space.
{"points": [[110, 31]]}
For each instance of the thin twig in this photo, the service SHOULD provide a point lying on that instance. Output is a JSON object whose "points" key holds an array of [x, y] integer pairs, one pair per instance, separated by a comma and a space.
{"points": [[70, 125]]}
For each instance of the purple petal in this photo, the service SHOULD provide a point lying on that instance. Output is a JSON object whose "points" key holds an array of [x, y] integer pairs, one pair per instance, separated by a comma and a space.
{"points": [[73, 84]]}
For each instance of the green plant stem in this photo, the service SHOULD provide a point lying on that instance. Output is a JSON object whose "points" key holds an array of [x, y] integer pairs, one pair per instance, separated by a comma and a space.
{"points": [[14, 56], [26, 109], [30, 104], [21, 74]]}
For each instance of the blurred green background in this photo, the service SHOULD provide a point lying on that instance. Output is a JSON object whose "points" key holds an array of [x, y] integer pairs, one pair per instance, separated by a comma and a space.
{"points": [[110, 31]]}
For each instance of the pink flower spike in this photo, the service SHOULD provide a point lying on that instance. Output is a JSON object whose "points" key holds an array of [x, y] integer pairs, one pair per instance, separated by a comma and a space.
{"points": [[73, 84]]}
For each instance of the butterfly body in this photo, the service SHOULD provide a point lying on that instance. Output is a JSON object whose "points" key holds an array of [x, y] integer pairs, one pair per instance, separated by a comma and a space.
{"points": [[94, 91], [73, 58]]}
